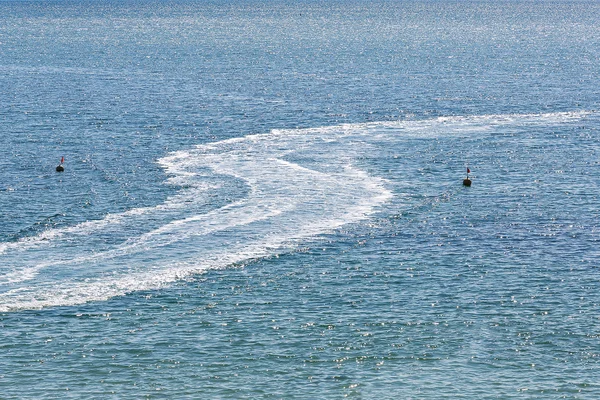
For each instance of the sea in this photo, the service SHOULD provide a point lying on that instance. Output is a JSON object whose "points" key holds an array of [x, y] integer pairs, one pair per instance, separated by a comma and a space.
{"points": [[264, 199]]}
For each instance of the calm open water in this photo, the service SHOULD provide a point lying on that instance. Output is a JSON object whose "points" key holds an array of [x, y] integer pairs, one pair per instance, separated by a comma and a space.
{"points": [[263, 199]]}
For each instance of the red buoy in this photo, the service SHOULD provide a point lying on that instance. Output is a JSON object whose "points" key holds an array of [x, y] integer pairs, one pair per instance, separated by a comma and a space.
{"points": [[467, 181], [60, 167]]}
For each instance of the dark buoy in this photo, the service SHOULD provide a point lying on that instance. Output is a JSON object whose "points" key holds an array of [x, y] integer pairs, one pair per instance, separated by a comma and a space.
{"points": [[60, 167], [467, 181]]}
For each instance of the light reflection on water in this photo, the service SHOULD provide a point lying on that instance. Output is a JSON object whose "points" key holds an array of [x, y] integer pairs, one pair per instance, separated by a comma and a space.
{"points": [[351, 261]]}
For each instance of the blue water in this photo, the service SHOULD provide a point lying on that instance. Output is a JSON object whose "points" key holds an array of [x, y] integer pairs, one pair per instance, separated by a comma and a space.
{"points": [[263, 199]]}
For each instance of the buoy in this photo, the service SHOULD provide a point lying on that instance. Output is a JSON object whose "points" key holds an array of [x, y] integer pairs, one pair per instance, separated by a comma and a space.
{"points": [[467, 181], [60, 167]]}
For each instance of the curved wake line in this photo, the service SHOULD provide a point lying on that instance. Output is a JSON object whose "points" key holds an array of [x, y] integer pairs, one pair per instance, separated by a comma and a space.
{"points": [[301, 184]]}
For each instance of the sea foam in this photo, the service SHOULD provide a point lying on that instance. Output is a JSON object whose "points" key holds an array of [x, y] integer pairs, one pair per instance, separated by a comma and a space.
{"points": [[300, 184]]}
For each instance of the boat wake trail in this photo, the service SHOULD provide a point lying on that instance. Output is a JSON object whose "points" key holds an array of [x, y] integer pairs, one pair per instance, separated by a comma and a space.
{"points": [[237, 200]]}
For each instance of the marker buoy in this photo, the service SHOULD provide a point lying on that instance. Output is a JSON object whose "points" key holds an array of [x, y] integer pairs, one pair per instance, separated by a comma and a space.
{"points": [[60, 167], [467, 181]]}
